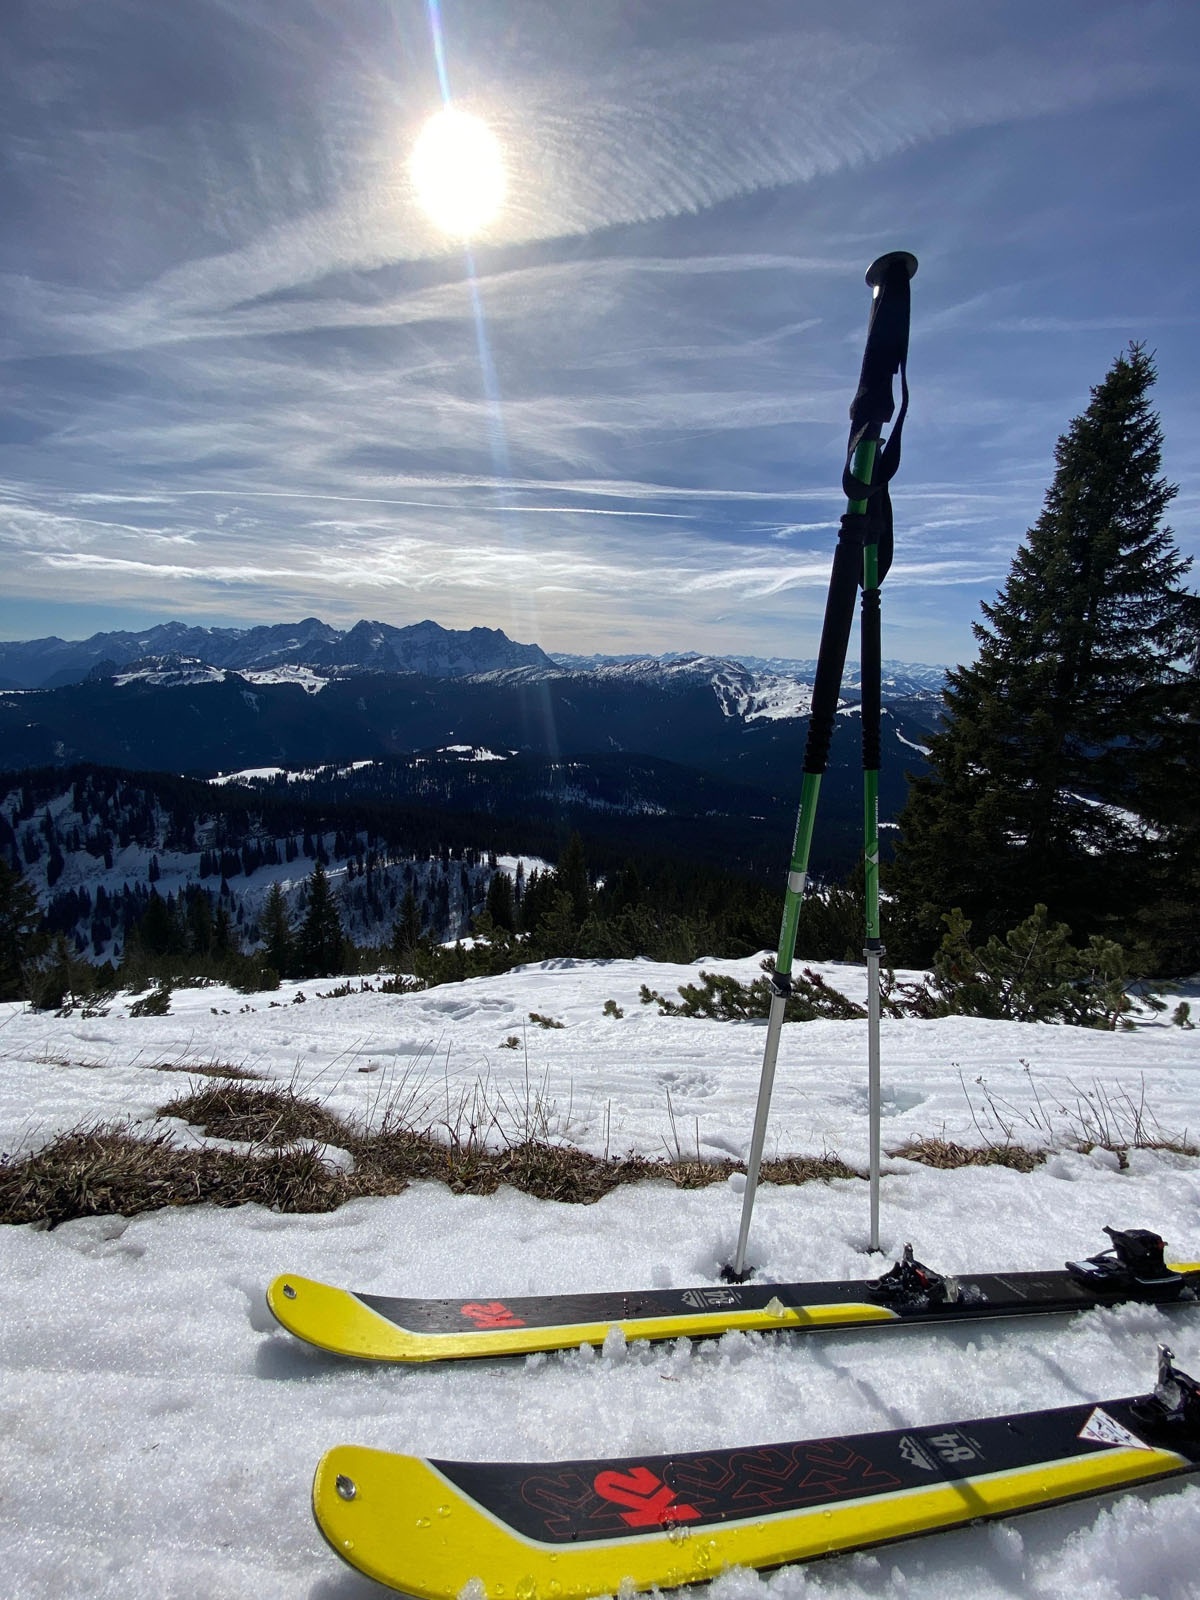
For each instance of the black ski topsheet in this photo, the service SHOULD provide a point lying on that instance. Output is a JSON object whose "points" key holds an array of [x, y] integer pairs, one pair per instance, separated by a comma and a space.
{"points": [[576, 1529], [566, 1502], [389, 1328], [980, 1295]]}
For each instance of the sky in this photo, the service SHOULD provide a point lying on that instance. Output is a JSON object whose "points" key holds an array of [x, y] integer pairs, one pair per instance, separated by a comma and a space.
{"points": [[245, 378]]}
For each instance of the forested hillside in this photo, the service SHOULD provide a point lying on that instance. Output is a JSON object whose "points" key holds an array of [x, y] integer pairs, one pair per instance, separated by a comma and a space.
{"points": [[169, 879]]}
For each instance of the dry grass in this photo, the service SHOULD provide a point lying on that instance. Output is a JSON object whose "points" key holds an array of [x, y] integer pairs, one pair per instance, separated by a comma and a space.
{"points": [[806, 1169], [112, 1169], [263, 1114], [690, 1172], [385, 1163], [944, 1153], [209, 1069], [120, 1168], [1072, 1116]]}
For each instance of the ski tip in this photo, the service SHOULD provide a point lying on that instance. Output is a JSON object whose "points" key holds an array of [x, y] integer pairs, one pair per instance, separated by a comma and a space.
{"points": [[334, 1320]]}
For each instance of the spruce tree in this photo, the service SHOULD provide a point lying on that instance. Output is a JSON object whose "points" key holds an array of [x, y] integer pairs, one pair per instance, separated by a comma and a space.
{"points": [[320, 944], [406, 933], [500, 905], [19, 919], [573, 878], [276, 929], [1053, 776]]}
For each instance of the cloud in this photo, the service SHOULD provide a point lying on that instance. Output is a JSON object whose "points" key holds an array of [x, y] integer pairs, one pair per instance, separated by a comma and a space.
{"points": [[243, 374], [649, 133]]}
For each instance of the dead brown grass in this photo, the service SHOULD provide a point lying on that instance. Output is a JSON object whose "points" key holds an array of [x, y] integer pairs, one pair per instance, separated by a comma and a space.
{"points": [[944, 1153], [806, 1169], [114, 1169], [122, 1169], [386, 1163], [691, 1173], [208, 1069], [261, 1114]]}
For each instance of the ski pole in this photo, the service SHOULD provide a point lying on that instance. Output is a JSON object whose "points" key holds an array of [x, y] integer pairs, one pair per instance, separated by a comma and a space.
{"points": [[864, 481], [872, 675]]}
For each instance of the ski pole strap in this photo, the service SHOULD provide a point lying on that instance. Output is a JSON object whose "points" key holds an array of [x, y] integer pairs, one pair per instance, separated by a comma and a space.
{"points": [[844, 580], [877, 527], [887, 460]]}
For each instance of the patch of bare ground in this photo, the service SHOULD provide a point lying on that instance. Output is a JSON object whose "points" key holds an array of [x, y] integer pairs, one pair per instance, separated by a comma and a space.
{"points": [[120, 1168]]}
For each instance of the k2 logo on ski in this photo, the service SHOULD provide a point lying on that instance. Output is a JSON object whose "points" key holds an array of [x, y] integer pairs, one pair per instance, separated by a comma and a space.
{"points": [[490, 1314], [648, 1498]]}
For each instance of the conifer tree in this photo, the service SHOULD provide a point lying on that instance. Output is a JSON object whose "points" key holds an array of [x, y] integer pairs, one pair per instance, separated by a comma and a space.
{"points": [[538, 900], [320, 944], [573, 878], [199, 918], [276, 928], [406, 933], [500, 905], [1051, 778], [19, 918], [223, 940]]}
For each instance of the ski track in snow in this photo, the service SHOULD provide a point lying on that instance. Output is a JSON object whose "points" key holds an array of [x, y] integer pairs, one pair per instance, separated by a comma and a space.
{"points": [[158, 1434]]}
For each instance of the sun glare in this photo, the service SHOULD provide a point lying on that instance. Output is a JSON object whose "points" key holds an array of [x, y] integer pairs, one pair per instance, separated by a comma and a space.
{"points": [[458, 172]]}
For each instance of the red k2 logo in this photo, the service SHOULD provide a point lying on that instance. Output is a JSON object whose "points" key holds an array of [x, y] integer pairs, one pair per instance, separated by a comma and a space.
{"points": [[490, 1314], [649, 1499]]}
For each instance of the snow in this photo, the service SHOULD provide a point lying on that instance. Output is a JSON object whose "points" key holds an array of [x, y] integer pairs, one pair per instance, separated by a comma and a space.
{"points": [[308, 678], [291, 774], [771, 697], [526, 864], [174, 675], [159, 1433]]}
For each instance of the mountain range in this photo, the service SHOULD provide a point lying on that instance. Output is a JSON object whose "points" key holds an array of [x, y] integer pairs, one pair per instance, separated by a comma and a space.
{"points": [[423, 648], [681, 751]]}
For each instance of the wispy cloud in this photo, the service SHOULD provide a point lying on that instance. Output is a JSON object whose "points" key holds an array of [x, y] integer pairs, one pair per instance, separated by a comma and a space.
{"points": [[241, 373]]}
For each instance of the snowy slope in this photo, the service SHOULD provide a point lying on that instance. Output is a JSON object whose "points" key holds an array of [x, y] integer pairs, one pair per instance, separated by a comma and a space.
{"points": [[159, 1435]]}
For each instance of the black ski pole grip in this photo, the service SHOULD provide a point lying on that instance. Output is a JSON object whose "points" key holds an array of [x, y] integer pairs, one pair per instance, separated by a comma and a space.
{"points": [[885, 355]]}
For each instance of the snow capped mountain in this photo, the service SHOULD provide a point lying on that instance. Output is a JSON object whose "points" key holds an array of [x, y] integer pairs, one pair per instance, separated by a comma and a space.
{"points": [[311, 653], [304, 695], [740, 692], [756, 687], [899, 677], [168, 671], [424, 648]]}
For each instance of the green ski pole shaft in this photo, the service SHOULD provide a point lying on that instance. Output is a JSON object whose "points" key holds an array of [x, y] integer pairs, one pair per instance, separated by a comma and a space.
{"points": [[873, 949], [834, 639]]}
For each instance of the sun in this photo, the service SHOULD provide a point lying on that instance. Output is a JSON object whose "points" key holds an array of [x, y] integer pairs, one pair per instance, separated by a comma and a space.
{"points": [[458, 172]]}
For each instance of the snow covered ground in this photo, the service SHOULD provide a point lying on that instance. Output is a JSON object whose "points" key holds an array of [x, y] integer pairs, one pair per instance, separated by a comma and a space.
{"points": [[158, 1435]]}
